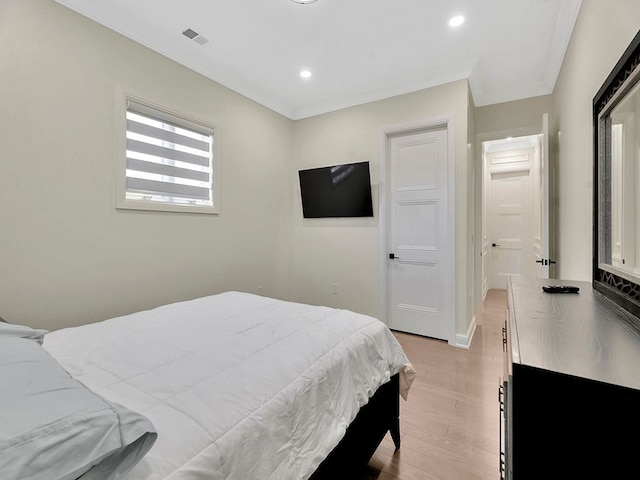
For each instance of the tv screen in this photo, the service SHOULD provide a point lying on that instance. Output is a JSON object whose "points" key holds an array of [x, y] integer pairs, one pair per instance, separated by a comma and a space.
{"points": [[336, 191]]}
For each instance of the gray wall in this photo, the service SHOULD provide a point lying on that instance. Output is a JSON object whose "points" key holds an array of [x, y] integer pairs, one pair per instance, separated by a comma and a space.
{"points": [[512, 116], [67, 256], [347, 251], [602, 33]]}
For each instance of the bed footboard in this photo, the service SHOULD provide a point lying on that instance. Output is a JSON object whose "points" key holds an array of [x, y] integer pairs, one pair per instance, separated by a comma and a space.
{"points": [[362, 438]]}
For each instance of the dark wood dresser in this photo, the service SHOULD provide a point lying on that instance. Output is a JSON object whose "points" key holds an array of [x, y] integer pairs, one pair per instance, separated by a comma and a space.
{"points": [[570, 399]]}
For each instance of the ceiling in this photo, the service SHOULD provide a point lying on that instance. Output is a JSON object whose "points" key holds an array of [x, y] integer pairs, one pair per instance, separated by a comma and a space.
{"points": [[357, 50]]}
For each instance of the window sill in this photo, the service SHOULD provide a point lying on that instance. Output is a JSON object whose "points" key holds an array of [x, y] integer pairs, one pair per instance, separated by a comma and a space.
{"points": [[169, 208]]}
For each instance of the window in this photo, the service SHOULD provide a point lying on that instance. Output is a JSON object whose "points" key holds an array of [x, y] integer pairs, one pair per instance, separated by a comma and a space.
{"points": [[168, 164]]}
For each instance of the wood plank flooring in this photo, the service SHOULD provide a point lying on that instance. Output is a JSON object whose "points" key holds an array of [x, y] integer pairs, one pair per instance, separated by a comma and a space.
{"points": [[450, 422]]}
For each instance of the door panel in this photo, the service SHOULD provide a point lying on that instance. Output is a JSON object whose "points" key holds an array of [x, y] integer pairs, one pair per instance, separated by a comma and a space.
{"points": [[510, 195], [415, 225], [418, 299]]}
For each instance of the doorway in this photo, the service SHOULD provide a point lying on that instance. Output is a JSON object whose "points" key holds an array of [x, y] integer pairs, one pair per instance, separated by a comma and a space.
{"points": [[416, 225], [513, 209]]}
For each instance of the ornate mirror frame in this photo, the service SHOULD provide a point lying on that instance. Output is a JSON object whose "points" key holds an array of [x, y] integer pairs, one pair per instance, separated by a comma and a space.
{"points": [[622, 289]]}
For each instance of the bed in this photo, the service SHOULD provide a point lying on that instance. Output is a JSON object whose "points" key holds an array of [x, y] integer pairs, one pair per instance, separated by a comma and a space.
{"points": [[228, 386]]}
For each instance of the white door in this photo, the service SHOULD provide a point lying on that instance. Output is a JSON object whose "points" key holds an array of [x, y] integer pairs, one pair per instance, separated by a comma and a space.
{"points": [[419, 300], [510, 200], [544, 257]]}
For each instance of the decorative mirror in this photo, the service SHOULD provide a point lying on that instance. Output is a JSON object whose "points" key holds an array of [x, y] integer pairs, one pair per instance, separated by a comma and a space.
{"points": [[616, 235]]}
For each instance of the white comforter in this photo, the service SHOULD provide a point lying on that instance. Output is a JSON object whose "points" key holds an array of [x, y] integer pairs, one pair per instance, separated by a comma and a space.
{"points": [[238, 386]]}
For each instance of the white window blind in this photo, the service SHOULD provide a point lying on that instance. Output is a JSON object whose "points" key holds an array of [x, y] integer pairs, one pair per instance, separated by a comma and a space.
{"points": [[169, 160]]}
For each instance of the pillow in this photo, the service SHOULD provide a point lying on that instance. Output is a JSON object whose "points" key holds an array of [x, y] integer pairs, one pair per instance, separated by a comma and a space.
{"points": [[53, 427], [21, 331]]}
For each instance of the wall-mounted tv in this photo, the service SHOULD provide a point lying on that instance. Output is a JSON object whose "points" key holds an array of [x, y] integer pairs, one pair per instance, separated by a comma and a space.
{"points": [[336, 191]]}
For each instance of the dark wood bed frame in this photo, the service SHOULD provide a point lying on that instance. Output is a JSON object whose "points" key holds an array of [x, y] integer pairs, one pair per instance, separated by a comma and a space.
{"points": [[363, 436]]}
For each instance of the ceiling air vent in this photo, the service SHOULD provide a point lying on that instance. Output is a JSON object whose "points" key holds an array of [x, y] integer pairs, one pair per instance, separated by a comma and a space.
{"points": [[195, 36]]}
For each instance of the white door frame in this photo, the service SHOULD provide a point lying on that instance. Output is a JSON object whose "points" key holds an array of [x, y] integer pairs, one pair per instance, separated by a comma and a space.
{"points": [[545, 176], [385, 135]]}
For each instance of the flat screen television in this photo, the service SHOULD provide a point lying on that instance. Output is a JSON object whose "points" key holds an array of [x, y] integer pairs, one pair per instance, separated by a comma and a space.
{"points": [[336, 191]]}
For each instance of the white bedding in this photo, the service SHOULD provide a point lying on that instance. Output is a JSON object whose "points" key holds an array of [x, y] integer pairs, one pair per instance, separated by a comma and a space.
{"points": [[52, 427], [238, 386]]}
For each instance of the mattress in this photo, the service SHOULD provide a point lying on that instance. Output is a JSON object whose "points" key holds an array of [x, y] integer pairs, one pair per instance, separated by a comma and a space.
{"points": [[238, 386]]}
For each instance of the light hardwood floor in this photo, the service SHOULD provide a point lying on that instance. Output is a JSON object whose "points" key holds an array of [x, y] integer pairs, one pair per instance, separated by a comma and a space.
{"points": [[450, 422]]}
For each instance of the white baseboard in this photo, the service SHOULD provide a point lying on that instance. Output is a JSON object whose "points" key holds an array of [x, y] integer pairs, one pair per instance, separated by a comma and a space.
{"points": [[464, 341]]}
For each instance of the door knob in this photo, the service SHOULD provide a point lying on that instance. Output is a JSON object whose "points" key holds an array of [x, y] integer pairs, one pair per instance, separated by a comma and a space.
{"points": [[392, 256], [495, 245], [546, 262]]}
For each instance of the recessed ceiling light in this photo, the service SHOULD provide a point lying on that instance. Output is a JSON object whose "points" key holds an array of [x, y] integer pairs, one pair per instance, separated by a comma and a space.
{"points": [[456, 21], [305, 74], [304, 1]]}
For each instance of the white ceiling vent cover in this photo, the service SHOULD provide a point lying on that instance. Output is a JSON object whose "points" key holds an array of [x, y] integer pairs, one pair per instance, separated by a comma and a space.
{"points": [[195, 36]]}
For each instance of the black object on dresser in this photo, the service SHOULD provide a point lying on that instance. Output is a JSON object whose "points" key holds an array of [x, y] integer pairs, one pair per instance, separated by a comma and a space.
{"points": [[570, 400]]}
